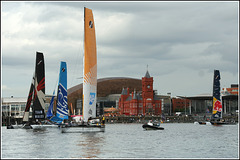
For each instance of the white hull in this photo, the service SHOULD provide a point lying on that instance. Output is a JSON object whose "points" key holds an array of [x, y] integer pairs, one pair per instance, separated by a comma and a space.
{"points": [[36, 126], [81, 129], [17, 126], [207, 123]]}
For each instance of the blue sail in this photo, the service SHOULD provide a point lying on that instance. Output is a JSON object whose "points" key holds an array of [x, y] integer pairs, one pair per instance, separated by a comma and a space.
{"points": [[50, 109], [62, 104]]}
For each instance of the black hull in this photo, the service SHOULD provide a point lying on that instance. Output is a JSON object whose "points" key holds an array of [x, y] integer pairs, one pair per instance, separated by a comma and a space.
{"points": [[10, 127], [202, 123], [223, 123], [148, 127]]}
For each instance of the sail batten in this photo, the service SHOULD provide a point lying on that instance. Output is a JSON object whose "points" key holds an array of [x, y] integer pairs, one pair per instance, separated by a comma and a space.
{"points": [[89, 67]]}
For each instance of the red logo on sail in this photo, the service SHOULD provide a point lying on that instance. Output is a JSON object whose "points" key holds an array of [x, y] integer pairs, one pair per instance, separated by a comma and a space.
{"points": [[218, 106]]}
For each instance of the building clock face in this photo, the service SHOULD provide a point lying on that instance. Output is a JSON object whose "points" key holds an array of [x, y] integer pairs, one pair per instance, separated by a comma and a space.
{"points": [[148, 86]]}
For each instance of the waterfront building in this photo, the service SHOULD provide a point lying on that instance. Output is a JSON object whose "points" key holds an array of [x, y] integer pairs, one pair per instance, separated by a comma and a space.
{"points": [[144, 102], [180, 104], [130, 96], [108, 93], [13, 109], [202, 104]]}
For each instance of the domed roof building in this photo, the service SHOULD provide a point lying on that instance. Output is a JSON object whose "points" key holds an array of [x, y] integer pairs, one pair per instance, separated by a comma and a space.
{"points": [[105, 88]]}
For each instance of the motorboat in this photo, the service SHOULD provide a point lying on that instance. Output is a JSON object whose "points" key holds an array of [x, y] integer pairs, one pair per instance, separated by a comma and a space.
{"points": [[152, 125]]}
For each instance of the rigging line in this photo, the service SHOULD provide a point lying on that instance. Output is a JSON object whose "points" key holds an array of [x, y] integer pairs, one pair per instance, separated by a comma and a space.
{"points": [[78, 65]]}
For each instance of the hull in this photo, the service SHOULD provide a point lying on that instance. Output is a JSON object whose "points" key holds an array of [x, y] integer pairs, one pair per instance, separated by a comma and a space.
{"points": [[223, 123], [23, 126], [33, 126], [149, 127], [14, 126], [202, 123], [82, 128], [37, 126]]}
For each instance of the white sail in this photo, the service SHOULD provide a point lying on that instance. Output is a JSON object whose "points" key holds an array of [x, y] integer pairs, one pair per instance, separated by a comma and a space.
{"points": [[89, 67]]}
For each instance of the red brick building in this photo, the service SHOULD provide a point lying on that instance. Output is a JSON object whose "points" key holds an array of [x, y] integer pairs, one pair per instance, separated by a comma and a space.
{"points": [[144, 102], [231, 91], [180, 104]]}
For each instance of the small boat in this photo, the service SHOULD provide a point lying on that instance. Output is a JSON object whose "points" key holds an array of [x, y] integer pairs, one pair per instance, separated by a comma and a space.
{"points": [[152, 125], [90, 122]]}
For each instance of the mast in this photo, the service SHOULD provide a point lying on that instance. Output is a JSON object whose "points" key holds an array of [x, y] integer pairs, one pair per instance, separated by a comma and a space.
{"points": [[39, 87], [89, 67], [217, 104]]}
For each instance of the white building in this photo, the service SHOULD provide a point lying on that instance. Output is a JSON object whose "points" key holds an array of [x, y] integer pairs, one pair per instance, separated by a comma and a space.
{"points": [[14, 107]]}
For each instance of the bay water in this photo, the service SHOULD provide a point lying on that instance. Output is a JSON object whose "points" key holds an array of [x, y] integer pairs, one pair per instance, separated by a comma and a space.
{"points": [[177, 140]]}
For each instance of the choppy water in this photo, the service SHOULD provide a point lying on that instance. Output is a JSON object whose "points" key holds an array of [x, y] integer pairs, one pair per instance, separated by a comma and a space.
{"points": [[178, 140]]}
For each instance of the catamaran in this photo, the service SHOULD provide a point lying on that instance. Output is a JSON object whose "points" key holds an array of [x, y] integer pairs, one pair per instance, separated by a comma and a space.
{"points": [[36, 95], [216, 118], [90, 121]]}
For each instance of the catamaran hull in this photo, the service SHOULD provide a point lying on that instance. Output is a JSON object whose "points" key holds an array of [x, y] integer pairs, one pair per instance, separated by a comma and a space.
{"points": [[44, 126], [223, 123], [202, 123], [19, 127], [14, 127], [82, 128]]}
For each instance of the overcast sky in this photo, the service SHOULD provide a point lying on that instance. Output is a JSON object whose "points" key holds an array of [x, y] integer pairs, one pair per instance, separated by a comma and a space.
{"points": [[181, 42]]}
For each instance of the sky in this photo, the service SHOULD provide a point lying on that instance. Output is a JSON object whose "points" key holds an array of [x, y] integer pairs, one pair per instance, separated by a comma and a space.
{"points": [[179, 43]]}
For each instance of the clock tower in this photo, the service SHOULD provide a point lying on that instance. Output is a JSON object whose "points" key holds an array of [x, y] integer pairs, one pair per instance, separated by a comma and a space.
{"points": [[147, 93], [147, 86]]}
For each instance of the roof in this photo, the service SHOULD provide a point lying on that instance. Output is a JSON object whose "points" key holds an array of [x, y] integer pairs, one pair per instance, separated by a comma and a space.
{"points": [[124, 91], [80, 86], [147, 75], [14, 100], [200, 96]]}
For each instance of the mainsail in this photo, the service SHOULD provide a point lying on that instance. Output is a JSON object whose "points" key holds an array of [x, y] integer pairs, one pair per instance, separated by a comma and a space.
{"points": [[29, 101], [39, 88], [62, 104], [50, 108], [217, 105], [90, 67]]}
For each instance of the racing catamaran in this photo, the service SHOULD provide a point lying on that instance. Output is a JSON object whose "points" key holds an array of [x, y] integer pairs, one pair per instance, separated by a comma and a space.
{"points": [[90, 121]]}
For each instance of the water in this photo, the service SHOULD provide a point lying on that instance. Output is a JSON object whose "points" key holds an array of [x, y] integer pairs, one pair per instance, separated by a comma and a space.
{"points": [[177, 140]]}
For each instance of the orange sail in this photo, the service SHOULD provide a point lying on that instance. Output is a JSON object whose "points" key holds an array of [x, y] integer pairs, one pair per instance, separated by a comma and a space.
{"points": [[89, 67]]}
